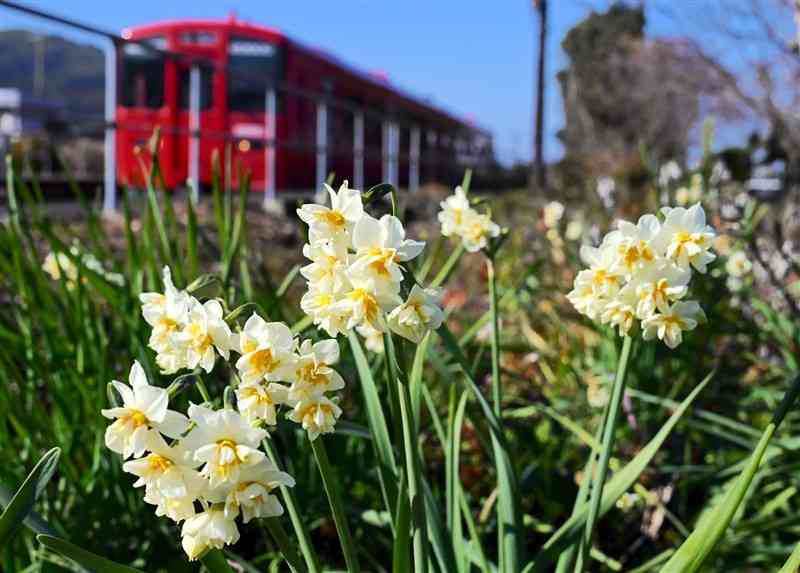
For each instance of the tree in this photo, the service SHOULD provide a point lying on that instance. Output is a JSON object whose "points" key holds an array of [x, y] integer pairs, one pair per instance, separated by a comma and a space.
{"points": [[538, 178]]}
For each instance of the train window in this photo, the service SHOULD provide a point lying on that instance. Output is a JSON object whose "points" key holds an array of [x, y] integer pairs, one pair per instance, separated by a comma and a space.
{"points": [[202, 38], [253, 67], [206, 88], [142, 76]]}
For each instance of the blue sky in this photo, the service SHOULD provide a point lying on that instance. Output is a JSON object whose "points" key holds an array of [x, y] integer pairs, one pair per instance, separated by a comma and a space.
{"points": [[475, 58]]}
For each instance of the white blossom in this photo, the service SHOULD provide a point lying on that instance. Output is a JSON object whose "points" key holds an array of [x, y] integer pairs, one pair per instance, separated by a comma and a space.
{"points": [[224, 442], [143, 410], [208, 530], [419, 314], [670, 324]]}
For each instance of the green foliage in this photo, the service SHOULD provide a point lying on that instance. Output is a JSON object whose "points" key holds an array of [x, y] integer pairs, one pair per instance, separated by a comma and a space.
{"points": [[463, 449]]}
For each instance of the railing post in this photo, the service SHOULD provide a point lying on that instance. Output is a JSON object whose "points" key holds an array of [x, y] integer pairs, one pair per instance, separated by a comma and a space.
{"points": [[413, 159], [358, 150], [385, 151], [394, 154], [322, 146], [269, 149], [110, 144], [194, 131]]}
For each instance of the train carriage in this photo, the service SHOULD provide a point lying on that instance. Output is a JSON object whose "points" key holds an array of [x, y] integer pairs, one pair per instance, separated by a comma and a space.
{"points": [[287, 113]]}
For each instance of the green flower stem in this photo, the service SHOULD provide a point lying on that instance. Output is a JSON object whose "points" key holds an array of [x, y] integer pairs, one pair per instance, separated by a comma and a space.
{"points": [[448, 267], [497, 389], [288, 550], [331, 484], [306, 548], [201, 387], [411, 455], [605, 452], [568, 556], [507, 517]]}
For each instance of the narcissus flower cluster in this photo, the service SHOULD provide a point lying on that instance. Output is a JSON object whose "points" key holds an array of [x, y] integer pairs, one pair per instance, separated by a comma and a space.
{"points": [[458, 218], [62, 265], [206, 469], [356, 272], [210, 473], [641, 272], [186, 333]]}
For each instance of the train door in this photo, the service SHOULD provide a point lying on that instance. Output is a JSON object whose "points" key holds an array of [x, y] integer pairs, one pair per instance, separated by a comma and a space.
{"points": [[254, 69], [142, 106], [202, 49]]}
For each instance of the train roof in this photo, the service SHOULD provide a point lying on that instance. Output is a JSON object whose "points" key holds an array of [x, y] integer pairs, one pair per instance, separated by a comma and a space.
{"points": [[234, 25]]}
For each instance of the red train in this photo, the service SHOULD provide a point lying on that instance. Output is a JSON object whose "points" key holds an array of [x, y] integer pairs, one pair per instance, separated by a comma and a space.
{"points": [[323, 112]]}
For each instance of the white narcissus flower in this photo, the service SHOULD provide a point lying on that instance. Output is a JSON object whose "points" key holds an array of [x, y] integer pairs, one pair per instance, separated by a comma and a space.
{"points": [[167, 470], [552, 213], [175, 508], [373, 338], [259, 401], [313, 372], [205, 331], [634, 244], [574, 230], [333, 223], [367, 303], [381, 246], [477, 229], [252, 495], [738, 265], [166, 313], [327, 270], [59, 264], [596, 286], [417, 315], [669, 172], [225, 442], [620, 312], [669, 325], [317, 414], [267, 351], [208, 530], [324, 309], [451, 217], [144, 409], [655, 287], [685, 238]]}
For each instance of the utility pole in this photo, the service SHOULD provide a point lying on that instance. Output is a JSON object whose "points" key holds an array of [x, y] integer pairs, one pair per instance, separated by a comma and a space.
{"points": [[538, 177]]}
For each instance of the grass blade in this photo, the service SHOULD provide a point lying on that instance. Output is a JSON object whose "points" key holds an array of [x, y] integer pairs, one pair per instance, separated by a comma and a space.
{"points": [[88, 559], [711, 527], [615, 488], [387, 466], [23, 501]]}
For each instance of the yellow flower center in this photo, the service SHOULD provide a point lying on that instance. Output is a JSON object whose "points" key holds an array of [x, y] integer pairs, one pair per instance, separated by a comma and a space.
{"points": [[602, 277], [310, 374], [323, 299], [367, 301], [682, 238], [262, 360], [385, 257], [159, 463], [334, 218], [137, 418], [200, 340], [167, 323], [673, 321], [262, 398]]}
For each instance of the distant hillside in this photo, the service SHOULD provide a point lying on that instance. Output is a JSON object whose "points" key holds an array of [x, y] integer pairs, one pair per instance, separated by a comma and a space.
{"points": [[73, 73]]}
